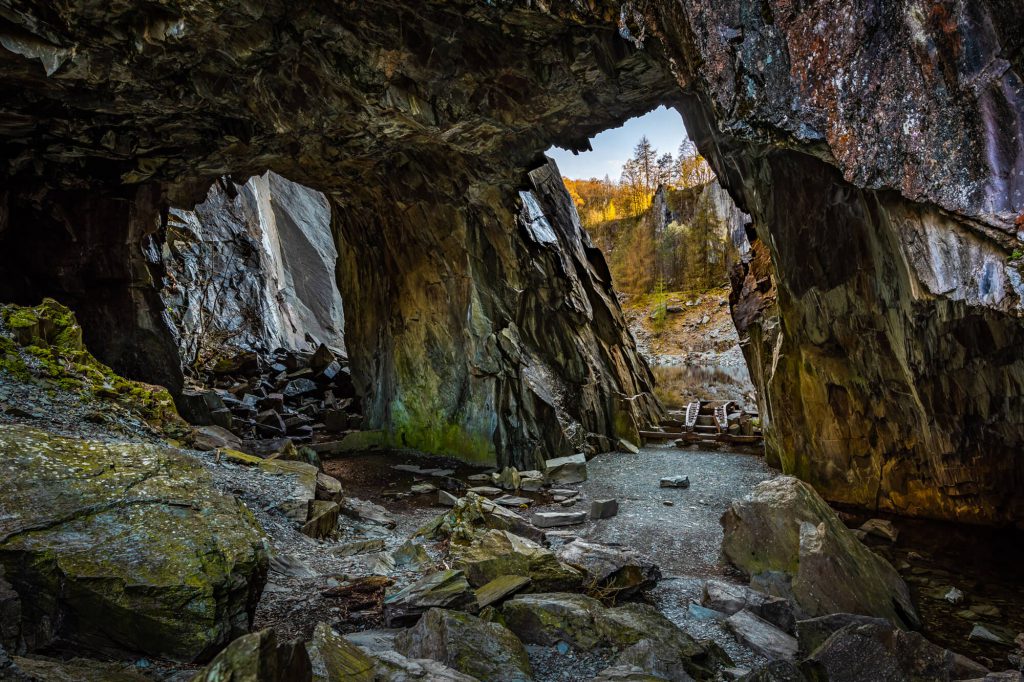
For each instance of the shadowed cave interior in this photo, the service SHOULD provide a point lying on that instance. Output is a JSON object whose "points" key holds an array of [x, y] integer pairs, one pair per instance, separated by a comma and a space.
{"points": [[355, 198]]}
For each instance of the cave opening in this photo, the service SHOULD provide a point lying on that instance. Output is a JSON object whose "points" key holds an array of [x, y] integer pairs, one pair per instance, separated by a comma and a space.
{"points": [[249, 288], [671, 235]]}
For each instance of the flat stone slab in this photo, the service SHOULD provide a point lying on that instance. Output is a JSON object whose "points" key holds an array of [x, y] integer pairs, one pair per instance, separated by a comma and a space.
{"points": [[486, 490], [422, 488], [553, 519], [562, 470], [499, 588], [446, 498], [762, 636], [512, 501], [675, 482], [411, 468]]}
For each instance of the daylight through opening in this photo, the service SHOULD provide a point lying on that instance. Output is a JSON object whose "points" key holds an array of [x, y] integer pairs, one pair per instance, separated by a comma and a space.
{"points": [[671, 235]]}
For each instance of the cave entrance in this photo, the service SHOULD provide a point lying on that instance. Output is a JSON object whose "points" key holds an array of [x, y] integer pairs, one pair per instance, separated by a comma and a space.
{"points": [[250, 291], [671, 235]]}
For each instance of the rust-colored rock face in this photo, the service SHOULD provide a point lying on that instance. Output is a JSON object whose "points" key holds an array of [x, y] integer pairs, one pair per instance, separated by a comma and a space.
{"points": [[877, 147]]}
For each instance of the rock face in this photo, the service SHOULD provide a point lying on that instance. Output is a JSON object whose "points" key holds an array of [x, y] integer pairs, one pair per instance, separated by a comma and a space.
{"points": [[785, 529], [182, 566], [253, 266], [877, 149]]}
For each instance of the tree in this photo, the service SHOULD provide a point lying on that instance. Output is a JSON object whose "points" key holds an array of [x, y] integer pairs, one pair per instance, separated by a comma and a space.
{"points": [[668, 170], [693, 168]]}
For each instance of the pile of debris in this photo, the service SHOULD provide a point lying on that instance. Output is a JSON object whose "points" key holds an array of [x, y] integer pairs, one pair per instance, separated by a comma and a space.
{"points": [[297, 395]]}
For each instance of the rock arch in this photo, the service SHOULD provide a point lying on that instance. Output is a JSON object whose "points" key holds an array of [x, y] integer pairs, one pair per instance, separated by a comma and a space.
{"points": [[877, 146]]}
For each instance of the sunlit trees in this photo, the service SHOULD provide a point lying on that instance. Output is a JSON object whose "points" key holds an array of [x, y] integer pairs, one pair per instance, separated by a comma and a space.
{"points": [[693, 168], [686, 255]]}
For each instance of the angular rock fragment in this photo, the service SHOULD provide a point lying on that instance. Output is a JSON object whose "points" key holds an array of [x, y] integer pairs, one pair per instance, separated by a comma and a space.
{"points": [[784, 527], [729, 599], [513, 501], [498, 589], [626, 446], [626, 673], [675, 482], [208, 438], [446, 499], [485, 490], [332, 658], [444, 589], [563, 470], [762, 636], [619, 570], [603, 509], [555, 519], [328, 488], [473, 513], [873, 652], [583, 623], [881, 528], [323, 519], [497, 553], [259, 657], [410, 554], [367, 511], [812, 632], [487, 651]]}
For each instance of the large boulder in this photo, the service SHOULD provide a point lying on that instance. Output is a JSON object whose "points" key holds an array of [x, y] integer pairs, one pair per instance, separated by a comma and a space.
{"points": [[642, 634], [498, 553], [259, 657], [124, 547], [784, 527], [618, 570], [488, 651], [881, 652]]}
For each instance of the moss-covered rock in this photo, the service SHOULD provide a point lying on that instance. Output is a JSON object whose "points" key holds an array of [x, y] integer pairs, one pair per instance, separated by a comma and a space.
{"points": [[498, 553], [259, 657], [46, 343], [784, 527], [586, 624], [124, 547], [487, 651]]}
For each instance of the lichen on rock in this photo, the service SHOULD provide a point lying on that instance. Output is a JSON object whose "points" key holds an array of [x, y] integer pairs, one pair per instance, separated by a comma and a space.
{"points": [[118, 547], [45, 344]]}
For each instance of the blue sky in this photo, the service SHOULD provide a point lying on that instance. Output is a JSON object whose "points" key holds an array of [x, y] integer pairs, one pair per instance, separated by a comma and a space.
{"points": [[663, 127]]}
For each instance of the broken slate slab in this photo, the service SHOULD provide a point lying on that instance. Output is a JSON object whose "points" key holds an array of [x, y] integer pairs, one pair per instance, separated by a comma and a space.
{"points": [[675, 482], [423, 488], [485, 490], [553, 519], [367, 511], [499, 588], [512, 501], [626, 446], [411, 468], [562, 470], [444, 590], [446, 498], [729, 599], [762, 636], [603, 509], [323, 519], [881, 528]]}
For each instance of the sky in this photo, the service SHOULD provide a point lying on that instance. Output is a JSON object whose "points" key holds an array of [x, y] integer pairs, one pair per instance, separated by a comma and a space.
{"points": [[663, 127]]}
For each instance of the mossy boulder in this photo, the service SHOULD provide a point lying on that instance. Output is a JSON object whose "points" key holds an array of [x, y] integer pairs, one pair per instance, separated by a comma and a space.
{"points": [[259, 657], [124, 547], [784, 528], [634, 629], [46, 344], [497, 553], [487, 651]]}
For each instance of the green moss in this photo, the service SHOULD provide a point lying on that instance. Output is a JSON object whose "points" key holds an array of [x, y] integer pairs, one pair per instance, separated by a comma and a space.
{"points": [[52, 337]]}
